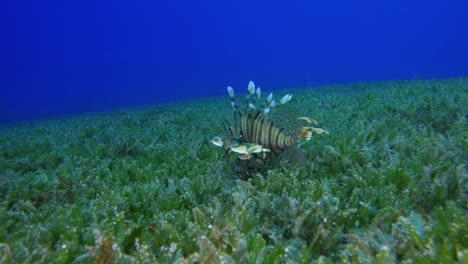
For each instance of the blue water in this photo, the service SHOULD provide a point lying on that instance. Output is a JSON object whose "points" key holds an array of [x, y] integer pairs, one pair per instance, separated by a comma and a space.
{"points": [[60, 58]]}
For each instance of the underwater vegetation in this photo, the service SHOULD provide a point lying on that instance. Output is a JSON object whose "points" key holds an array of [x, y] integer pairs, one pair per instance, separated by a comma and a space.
{"points": [[388, 183]]}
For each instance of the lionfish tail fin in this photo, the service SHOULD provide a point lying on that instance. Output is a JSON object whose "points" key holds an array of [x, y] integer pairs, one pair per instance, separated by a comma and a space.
{"points": [[294, 154]]}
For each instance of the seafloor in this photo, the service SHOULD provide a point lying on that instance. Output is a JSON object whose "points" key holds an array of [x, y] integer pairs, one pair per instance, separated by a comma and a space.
{"points": [[388, 184]]}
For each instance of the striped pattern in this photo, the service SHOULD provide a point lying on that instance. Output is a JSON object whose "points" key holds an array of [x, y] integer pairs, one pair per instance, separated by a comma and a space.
{"points": [[257, 129]]}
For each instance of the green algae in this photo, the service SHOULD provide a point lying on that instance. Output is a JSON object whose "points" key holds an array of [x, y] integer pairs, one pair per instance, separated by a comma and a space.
{"points": [[389, 184]]}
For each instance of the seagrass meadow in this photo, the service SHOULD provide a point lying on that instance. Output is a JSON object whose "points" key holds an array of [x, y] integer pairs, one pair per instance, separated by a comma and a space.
{"points": [[387, 184]]}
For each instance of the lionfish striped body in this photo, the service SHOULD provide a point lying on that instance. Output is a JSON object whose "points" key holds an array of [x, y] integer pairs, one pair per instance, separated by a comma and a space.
{"points": [[259, 130], [253, 136]]}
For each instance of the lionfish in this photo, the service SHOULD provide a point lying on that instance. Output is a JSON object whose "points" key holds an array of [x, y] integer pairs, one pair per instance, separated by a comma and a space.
{"points": [[253, 138]]}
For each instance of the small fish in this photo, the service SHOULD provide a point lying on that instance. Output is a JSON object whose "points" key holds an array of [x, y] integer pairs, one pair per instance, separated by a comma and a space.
{"points": [[217, 141]]}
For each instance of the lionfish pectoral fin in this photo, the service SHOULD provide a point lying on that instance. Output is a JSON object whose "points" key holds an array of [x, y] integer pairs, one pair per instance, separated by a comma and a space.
{"points": [[238, 148], [245, 156], [253, 148]]}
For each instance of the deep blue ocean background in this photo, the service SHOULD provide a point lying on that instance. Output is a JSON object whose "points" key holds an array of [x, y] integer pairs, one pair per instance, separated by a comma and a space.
{"points": [[59, 58]]}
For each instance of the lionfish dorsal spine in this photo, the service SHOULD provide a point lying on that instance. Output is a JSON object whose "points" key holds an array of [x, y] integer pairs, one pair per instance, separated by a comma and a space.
{"points": [[233, 99]]}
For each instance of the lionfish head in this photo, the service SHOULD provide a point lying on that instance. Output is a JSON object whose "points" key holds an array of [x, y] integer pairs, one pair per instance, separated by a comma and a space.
{"points": [[253, 137]]}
